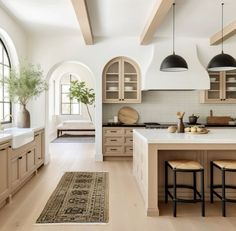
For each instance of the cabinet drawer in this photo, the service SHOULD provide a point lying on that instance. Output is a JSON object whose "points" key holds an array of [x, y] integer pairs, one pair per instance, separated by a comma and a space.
{"points": [[129, 140], [113, 149], [113, 140], [129, 149], [113, 132], [129, 131]]}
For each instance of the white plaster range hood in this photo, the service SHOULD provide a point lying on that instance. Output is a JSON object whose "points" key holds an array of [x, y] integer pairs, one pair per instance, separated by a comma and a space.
{"points": [[195, 78]]}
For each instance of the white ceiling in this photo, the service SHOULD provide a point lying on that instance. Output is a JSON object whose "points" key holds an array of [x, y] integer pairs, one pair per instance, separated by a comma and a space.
{"points": [[114, 18]]}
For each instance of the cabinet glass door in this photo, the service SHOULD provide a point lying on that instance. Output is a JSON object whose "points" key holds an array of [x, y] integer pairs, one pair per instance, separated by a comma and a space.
{"points": [[130, 81], [112, 83], [230, 85], [214, 93]]}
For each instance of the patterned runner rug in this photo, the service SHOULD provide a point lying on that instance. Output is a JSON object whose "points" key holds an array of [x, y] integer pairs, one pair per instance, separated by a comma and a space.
{"points": [[80, 197]]}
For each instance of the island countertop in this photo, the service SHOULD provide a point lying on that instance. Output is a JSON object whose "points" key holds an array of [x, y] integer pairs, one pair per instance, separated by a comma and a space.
{"points": [[227, 136]]}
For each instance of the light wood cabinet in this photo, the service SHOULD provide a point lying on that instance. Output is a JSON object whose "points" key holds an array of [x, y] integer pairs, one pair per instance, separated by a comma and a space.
{"points": [[121, 81], [117, 142], [18, 165], [4, 168], [222, 88]]}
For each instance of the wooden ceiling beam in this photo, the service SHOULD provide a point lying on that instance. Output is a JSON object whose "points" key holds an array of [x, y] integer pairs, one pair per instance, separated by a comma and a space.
{"points": [[228, 31], [159, 12], [81, 11]]}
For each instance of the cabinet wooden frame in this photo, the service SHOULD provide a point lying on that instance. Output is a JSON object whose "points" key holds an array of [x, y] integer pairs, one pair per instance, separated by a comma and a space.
{"points": [[115, 75], [117, 142], [221, 92], [5, 173], [19, 165]]}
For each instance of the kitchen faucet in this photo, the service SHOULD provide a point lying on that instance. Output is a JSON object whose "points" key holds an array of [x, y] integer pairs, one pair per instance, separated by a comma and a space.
{"points": [[1, 121]]}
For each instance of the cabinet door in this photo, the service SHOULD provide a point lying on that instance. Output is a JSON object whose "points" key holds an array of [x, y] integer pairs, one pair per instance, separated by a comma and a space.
{"points": [[230, 86], [130, 81], [15, 172], [31, 162], [214, 94], [111, 81], [38, 149], [23, 170], [4, 172]]}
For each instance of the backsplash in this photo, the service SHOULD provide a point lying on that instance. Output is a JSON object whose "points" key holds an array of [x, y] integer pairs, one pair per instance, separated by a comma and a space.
{"points": [[161, 106]]}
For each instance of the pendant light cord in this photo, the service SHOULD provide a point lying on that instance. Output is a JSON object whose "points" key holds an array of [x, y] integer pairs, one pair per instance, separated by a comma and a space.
{"points": [[222, 27], [173, 28]]}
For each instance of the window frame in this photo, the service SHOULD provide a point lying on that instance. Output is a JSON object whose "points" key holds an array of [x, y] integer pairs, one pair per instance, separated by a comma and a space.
{"points": [[2, 92], [70, 103]]}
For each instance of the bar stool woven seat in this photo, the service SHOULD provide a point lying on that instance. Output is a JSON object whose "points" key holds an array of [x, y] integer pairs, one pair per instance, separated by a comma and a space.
{"points": [[184, 166], [227, 164], [224, 166]]}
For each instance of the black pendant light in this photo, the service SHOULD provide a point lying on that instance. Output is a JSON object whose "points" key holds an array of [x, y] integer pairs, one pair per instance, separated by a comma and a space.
{"points": [[222, 62], [174, 63]]}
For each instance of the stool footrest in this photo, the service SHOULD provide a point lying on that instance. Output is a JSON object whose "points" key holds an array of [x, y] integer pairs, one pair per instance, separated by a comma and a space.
{"points": [[226, 186], [226, 199]]}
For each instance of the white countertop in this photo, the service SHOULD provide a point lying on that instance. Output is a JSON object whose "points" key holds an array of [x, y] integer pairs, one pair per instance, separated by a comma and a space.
{"points": [[226, 136], [4, 136]]}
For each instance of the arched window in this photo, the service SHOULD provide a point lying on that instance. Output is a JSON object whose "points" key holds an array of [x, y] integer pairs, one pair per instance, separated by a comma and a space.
{"points": [[5, 65], [68, 106]]}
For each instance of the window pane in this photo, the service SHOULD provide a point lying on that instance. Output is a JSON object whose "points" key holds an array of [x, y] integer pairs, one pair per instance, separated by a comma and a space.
{"points": [[6, 72], [75, 109], [74, 101], [65, 108], [65, 88], [65, 98], [6, 94], [6, 111], [5, 58], [1, 111]]}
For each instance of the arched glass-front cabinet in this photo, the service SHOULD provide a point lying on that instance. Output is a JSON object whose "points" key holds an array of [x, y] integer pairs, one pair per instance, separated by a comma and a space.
{"points": [[121, 81]]}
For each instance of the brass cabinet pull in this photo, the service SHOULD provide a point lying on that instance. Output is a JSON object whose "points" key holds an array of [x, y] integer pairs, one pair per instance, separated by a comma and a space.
{"points": [[113, 131], [20, 157], [113, 149], [113, 140], [29, 152], [3, 149]]}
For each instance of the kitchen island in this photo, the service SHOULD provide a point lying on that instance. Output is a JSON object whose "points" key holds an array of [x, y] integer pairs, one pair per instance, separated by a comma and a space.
{"points": [[153, 147]]}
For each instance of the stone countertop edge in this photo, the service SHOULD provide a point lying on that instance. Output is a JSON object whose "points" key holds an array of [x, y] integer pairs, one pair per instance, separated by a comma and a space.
{"points": [[162, 136]]}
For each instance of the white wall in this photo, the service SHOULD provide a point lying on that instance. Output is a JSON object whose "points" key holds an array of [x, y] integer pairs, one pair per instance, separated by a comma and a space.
{"points": [[15, 39], [15, 32], [49, 51]]}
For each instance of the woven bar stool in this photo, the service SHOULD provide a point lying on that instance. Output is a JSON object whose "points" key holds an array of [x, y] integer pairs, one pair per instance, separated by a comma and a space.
{"points": [[184, 166], [224, 166]]}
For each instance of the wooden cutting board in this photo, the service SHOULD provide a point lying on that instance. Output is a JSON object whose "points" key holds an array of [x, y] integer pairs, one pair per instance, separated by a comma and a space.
{"points": [[128, 115], [221, 120]]}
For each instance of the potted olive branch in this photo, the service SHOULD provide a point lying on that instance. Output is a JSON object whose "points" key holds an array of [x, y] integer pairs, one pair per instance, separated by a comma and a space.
{"points": [[23, 85], [81, 93]]}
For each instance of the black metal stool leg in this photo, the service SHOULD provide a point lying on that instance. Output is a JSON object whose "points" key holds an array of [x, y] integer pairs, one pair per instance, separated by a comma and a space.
{"points": [[202, 193], [174, 193], [194, 186], [223, 193], [166, 182], [211, 181]]}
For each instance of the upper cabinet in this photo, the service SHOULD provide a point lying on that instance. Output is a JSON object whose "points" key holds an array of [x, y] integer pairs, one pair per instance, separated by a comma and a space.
{"points": [[223, 88], [121, 81]]}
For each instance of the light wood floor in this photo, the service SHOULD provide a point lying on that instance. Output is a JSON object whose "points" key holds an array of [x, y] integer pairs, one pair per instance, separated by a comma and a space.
{"points": [[126, 205]]}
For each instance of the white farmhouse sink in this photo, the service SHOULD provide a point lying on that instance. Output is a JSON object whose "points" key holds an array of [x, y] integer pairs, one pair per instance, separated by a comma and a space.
{"points": [[20, 136]]}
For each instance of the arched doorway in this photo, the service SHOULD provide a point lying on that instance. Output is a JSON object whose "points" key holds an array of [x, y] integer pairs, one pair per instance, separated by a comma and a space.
{"points": [[56, 73]]}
